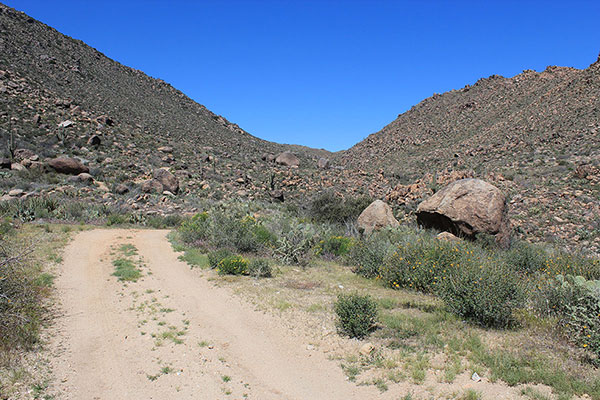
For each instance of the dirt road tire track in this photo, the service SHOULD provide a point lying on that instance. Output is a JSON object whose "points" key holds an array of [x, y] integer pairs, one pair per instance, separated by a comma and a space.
{"points": [[104, 356]]}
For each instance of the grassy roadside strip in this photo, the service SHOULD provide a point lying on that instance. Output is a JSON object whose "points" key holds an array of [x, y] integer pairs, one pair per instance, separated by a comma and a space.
{"points": [[28, 262]]}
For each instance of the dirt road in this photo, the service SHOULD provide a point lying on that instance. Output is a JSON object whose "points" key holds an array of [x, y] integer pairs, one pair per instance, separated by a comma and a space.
{"points": [[173, 334]]}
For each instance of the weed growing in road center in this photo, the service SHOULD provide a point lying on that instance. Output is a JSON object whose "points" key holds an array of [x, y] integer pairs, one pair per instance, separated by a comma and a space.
{"points": [[126, 270]]}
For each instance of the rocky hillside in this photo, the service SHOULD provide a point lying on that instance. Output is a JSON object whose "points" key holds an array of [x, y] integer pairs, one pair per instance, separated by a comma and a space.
{"points": [[60, 97], [535, 135]]}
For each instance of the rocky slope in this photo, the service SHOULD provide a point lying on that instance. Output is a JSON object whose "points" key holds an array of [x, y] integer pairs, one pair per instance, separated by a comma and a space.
{"points": [[60, 97], [534, 135]]}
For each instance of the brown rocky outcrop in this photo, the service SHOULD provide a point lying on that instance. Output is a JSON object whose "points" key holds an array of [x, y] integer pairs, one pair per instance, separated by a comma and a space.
{"points": [[167, 180], [152, 186], [465, 208], [376, 216], [323, 163], [288, 159], [65, 165]]}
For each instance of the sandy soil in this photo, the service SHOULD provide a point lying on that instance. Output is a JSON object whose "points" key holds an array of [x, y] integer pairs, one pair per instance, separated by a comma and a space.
{"points": [[177, 334], [230, 351]]}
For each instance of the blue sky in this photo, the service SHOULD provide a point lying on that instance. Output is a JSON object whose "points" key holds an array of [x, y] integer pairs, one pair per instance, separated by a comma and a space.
{"points": [[325, 74]]}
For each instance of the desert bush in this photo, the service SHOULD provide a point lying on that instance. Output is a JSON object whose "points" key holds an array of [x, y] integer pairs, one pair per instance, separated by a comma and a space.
{"points": [[422, 262], [295, 241], [21, 306], [260, 268], [327, 207], [195, 229], [30, 209], [525, 257], [356, 314], [227, 226], [334, 246], [215, 257], [485, 293], [367, 256], [163, 221], [233, 265], [562, 263], [576, 301]]}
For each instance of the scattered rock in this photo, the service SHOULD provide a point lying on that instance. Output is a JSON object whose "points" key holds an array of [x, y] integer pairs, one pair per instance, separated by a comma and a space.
{"points": [[366, 349], [323, 163], [66, 124], [583, 171], [376, 216], [152, 186], [65, 165], [84, 177], [277, 195], [467, 207], [167, 180], [102, 186], [16, 193], [447, 237], [94, 140], [121, 189], [25, 154], [288, 159], [165, 149], [5, 163], [17, 167], [105, 120]]}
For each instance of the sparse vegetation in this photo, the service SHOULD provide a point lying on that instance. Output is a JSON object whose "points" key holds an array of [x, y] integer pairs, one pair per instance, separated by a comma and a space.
{"points": [[27, 254], [126, 269]]}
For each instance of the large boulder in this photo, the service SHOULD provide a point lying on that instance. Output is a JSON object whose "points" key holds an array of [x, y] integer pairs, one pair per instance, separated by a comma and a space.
{"points": [[465, 208], [323, 163], [378, 215], [65, 165], [167, 179], [288, 159]]}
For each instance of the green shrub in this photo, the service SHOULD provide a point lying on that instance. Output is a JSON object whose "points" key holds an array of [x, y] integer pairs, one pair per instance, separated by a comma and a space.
{"points": [[295, 242], [327, 207], [561, 263], [356, 314], [577, 302], [264, 236], [367, 256], [335, 246], [195, 229], [30, 209], [526, 258], [233, 265], [421, 263], [487, 294], [116, 219], [163, 221], [260, 268], [215, 257], [21, 295]]}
